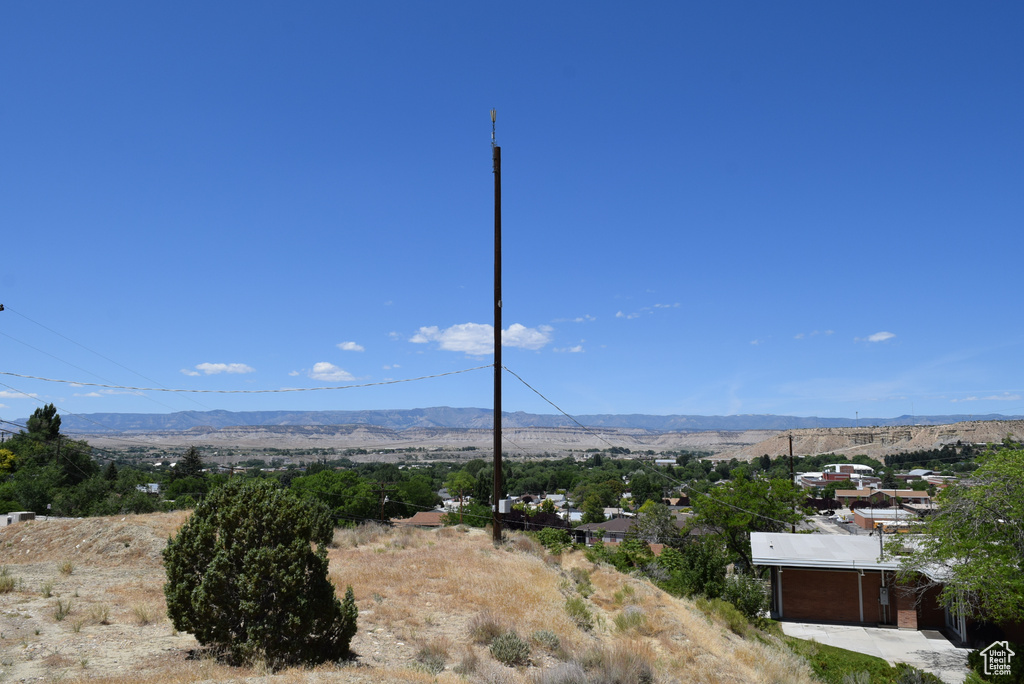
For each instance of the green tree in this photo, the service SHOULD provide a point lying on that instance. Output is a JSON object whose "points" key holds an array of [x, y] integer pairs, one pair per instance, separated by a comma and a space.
{"points": [[44, 423], [190, 465], [742, 506], [110, 472], [348, 496], [593, 510], [655, 524], [644, 489], [247, 575], [8, 461], [975, 541], [417, 494], [696, 568]]}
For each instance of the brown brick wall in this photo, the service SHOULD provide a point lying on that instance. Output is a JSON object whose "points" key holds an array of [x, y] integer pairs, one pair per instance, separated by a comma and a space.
{"points": [[820, 595], [906, 619], [931, 614]]}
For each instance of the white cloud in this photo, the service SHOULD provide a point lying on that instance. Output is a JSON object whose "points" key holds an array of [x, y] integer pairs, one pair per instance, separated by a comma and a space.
{"points": [[350, 346], [628, 317], [294, 373], [394, 335], [798, 336], [517, 335], [391, 367], [755, 342], [217, 368], [5, 394], [89, 394], [477, 339], [329, 372]]}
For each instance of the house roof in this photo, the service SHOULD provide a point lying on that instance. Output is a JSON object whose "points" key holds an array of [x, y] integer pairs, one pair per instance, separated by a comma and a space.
{"points": [[614, 525], [817, 551], [905, 493]]}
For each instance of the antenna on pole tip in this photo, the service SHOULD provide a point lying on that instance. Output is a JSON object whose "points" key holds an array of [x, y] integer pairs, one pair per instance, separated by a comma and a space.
{"points": [[494, 115]]}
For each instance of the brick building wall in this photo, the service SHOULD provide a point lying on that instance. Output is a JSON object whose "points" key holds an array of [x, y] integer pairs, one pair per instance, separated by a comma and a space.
{"points": [[833, 595], [830, 595]]}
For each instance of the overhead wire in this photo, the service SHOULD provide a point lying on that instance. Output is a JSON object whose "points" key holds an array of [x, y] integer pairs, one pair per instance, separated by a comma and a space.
{"points": [[64, 361], [643, 466]]}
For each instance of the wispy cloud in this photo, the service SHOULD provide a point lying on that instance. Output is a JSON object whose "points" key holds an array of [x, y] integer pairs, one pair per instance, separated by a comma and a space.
{"points": [[350, 346], [217, 368], [877, 337], [477, 339], [813, 333], [578, 349], [89, 394], [586, 318], [329, 372], [1005, 396], [646, 310]]}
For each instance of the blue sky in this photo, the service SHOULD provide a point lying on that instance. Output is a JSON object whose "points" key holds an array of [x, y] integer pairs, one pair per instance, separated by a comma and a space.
{"points": [[709, 208]]}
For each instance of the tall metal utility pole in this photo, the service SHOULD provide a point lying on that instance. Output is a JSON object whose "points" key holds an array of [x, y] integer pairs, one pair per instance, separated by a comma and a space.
{"points": [[496, 159]]}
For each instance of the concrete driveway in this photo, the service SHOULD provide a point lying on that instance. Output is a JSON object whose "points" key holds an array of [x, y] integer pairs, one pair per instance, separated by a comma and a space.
{"points": [[928, 650]]}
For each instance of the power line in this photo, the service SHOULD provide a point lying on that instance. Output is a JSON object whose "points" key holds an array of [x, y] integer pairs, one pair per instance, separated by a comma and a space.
{"points": [[641, 464], [92, 351]]}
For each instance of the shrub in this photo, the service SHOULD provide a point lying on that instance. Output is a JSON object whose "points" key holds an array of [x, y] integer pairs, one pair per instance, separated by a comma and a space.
{"points": [[748, 594], [433, 656], [728, 613], [510, 649], [545, 638], [563, 673], [631, 619], [582, 579], [622, 663], [61, 610], [579, 613], [554, 539], [247, 575], [485, 627], [7, 581]]}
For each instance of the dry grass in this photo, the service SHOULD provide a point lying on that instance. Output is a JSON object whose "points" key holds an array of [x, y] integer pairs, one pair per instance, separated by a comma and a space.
{"points": [[422, 595]]}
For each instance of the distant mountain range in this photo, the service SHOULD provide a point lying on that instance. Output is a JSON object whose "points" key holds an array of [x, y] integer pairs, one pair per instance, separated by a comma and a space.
{"points": [[446, 417]]}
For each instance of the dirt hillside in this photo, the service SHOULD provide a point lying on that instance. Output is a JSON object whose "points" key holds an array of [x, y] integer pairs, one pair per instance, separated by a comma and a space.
{"points": [[87, 605]]}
